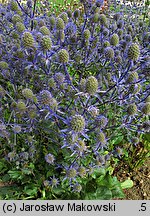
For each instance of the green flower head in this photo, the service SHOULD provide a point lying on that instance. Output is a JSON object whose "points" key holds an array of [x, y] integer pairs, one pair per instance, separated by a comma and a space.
{"points": [[46, 43], [77, 123], [91, 85], [63, 56], [28, 40], [132, 109], [133, 52], [114, 40]]}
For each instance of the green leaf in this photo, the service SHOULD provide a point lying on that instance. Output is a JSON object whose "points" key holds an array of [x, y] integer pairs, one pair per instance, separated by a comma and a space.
{"points": [[15, 174], [146, 137], [127, 184], [103, 193], [26, 171], [30, 190], [58, 190], [90, 196], [3, 166], [98, 172], [117, 140], [117, 192], [6, 178]]}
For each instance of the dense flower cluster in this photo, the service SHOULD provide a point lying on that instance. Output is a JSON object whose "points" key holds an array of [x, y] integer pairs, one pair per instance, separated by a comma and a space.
{"points": [[68, 84]]}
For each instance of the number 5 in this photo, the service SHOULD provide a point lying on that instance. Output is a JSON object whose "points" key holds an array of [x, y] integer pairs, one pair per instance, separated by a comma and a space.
{"points": [[143, 207]]}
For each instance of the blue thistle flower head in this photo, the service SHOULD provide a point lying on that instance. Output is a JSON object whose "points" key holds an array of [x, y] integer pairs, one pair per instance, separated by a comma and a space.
{"points": [[49, 158]]}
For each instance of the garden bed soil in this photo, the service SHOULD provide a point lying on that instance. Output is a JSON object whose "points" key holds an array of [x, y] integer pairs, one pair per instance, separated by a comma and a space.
{"points": [[140, 178]]}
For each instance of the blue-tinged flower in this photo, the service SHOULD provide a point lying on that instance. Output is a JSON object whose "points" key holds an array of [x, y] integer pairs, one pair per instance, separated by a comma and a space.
{"points": [[29, 4], [146, 108], [60, 25], [82, 171], [17, 129], [45, 97], [146, 126], [77, 188], [101, 121], [64, 17], [118, 151], [132, 109], [46, 43], [2, 92], [71, 29], [109, 53], [12, 155], [132, 77], [54, 182], [71, 173], [59, 78], [134, 140], [94, 111], [80, 147], [114, 40], [100, 137], [46, 183], [49, 158], [13, 5]]}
